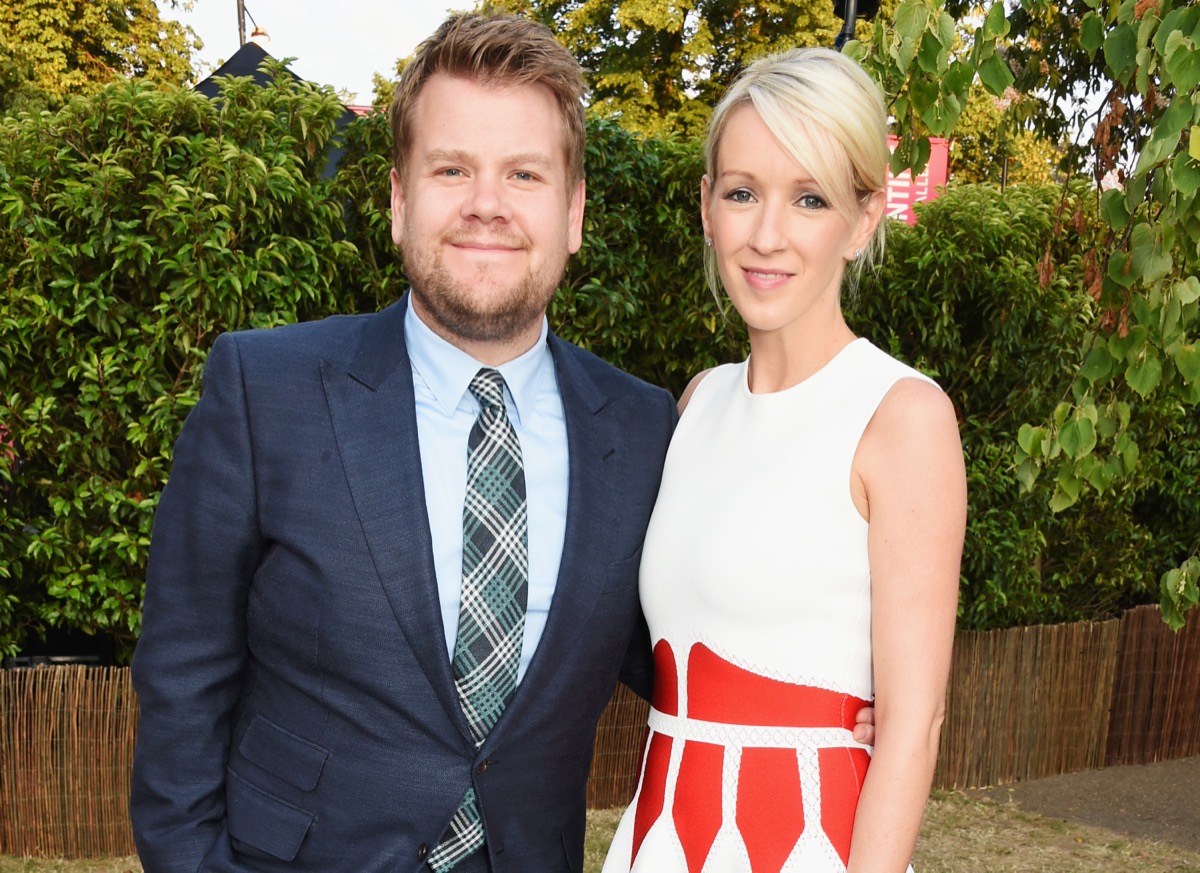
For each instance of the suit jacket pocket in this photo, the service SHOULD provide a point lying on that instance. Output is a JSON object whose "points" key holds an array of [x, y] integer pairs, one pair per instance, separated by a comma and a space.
{"points": [[262, 822], [281, 753]]}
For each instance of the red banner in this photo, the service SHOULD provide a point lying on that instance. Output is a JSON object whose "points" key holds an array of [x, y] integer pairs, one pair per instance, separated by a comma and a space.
{"points": [[904, 190]]}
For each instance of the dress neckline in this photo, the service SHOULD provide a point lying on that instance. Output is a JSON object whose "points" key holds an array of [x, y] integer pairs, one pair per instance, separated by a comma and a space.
{"points": [[815, 378]]}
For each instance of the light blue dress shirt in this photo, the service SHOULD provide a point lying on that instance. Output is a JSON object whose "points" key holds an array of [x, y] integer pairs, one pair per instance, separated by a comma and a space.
{"points": [[446, 412]]}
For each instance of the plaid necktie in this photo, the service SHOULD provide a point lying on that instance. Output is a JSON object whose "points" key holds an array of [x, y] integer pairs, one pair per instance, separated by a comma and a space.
{"points": [[495, 587]]}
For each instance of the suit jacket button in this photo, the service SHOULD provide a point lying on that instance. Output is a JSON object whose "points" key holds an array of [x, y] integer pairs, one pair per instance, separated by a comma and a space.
{"points": [[422, 851], [482, 768]]}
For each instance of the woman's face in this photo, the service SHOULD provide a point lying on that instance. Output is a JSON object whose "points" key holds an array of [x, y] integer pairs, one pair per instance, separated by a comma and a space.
{"points": [[781, 247]]}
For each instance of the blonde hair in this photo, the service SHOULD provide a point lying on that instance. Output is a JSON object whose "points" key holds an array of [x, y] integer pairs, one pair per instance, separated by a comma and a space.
{"points": [[829, 116], [494, 50]]}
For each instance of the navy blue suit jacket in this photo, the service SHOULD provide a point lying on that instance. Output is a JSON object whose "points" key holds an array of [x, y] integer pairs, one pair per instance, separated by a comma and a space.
{"points": [[297, 706]]}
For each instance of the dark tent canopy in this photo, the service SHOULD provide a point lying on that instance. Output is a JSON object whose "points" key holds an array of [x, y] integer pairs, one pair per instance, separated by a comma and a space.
{"points": [[247, 61]]}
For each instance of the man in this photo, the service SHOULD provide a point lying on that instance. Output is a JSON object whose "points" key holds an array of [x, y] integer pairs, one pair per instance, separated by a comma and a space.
{"points": [[315, 665]]}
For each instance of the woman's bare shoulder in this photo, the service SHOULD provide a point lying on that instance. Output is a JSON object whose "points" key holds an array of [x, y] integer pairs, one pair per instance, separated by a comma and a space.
{"points": [[691, 388]]}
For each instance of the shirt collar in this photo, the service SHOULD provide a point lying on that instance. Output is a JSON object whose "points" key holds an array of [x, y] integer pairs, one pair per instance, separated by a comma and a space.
{"points": [[448, 370]]}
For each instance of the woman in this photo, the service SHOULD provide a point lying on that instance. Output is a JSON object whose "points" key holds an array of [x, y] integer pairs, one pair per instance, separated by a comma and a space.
{"points": [[803, 556]]}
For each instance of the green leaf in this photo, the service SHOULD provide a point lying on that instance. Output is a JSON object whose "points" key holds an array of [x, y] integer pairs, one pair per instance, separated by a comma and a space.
{"points": [[904, 53], [1078, 438], [1180, 591], [946, 31], [1106, 427], [959, 76], [1156, 151], [1129, 452], [1187, 290], [1030, 438], [996, 24], [1098, 365], [911, 18], [1182, 62], [1120, 51], [1098, 475], [1187, 362], [1185, 173], [1151, 258], [1172, 608], [995, 75], [1114, 209], [1119, 269], [931, 57], [1066, 491], [1091, 33], [1144, 374], [940, 117], [1182, 19], [924, 151], [1194, 143], [1175, 120], [1027, 473]]}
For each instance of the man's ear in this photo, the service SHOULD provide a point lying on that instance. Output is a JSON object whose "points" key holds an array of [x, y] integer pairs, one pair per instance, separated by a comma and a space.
{"points": [[575, 217], [397, 207]]}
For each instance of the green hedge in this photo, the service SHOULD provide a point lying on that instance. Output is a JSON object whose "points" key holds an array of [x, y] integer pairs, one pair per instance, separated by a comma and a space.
{"points": [[134, 226], [137, 224], [962, 297]]}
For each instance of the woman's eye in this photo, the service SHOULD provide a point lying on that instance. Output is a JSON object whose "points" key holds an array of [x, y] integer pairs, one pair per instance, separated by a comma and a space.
{"points": [[739, 195], [812, 201]]}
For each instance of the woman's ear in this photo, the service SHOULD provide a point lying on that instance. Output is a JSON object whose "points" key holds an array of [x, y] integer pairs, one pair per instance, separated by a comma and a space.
{"points": [[872, 213], [705, 204]]}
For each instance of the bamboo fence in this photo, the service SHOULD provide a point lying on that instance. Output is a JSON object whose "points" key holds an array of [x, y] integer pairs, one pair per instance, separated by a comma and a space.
{"points": [[1022, 704], [1156, 693], [1027, 702], [66, 743], [616, 763]]}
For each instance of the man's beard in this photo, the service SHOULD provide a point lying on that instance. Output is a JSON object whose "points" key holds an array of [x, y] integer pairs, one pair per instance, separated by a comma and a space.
{"points": [[496, 317]]}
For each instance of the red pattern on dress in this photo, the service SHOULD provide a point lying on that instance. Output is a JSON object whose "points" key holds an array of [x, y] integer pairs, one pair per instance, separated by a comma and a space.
{"points": [[770, 808], [770, 803], [842, 774], [697, 807]]}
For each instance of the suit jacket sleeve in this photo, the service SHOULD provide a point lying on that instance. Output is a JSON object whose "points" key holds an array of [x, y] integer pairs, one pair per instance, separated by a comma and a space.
{"points": [[637, 670], [191, 656]]}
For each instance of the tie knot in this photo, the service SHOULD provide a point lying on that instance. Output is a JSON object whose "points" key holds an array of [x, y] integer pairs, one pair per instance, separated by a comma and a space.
{"points": [[488, 388]]}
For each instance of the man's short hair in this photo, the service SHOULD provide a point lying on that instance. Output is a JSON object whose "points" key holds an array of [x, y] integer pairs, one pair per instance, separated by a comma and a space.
{"points": [[494, 50]]}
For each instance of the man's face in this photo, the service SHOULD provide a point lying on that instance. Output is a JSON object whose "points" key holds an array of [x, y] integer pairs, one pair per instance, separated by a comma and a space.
{"points": [[484, 215]]}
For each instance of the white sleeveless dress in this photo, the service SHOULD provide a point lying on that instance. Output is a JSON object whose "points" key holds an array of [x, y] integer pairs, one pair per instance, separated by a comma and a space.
{"points": [[757, 590]]}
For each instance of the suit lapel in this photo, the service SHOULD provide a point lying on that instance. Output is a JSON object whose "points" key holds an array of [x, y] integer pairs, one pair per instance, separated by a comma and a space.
{"points": [[374, 421], [591, 438]]}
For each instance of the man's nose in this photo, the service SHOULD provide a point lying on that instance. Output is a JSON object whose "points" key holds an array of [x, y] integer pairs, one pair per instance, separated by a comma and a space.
{"points": [[487, 200]]}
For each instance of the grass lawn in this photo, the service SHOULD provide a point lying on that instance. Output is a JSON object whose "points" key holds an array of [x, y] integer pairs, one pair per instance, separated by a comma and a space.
{"points": [[959, 835]]}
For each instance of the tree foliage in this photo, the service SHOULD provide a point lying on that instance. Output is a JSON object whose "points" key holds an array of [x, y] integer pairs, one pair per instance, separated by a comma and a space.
{"points": [[991, 144], [135, 225], [659, 67], [1141, 261], [959, 296], [51, 50]]}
